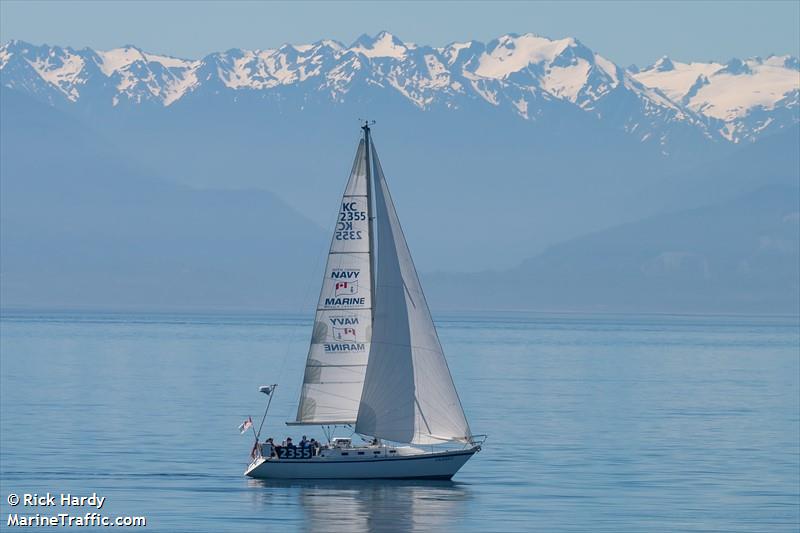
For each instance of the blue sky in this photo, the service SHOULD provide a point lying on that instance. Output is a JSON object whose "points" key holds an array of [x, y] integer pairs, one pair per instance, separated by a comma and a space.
{"points": [[624, 31]]}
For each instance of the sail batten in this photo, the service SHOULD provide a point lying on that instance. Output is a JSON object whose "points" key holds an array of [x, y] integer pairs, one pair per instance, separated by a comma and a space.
{"points": [[340, 341], [408, 393]]}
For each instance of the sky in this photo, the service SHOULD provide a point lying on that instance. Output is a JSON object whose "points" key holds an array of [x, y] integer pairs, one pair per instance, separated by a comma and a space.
{"points": [[627, 32]]}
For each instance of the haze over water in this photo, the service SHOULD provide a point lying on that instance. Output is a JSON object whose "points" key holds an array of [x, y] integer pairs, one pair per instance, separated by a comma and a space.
{"points": [[595, 422]]}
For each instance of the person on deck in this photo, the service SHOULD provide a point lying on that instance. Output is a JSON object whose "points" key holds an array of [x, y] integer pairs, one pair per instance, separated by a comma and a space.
{"points": [[270, 445]]}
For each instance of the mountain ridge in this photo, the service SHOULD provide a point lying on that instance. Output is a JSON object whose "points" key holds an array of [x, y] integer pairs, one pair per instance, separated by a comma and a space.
{"points": [[738, 255], [94, 230], [518, 73], [485, 176]]}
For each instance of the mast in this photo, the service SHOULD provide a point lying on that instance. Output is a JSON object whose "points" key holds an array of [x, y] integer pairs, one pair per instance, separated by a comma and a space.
{"points": [[370, 218]]}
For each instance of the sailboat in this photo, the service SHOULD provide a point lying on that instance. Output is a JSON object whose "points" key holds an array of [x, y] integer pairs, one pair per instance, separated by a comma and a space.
{"points": [[375, 362]]}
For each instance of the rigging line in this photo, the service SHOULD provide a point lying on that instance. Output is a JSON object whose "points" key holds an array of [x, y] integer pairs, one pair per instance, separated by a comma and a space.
{"points": [[421, 414], [408, 292]]}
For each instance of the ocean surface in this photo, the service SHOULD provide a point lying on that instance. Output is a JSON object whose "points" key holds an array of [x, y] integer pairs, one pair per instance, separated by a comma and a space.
{"points": [[595, 422]]}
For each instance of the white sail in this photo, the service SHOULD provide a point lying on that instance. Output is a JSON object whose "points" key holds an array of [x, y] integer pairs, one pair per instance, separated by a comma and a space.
{"points": [[340, 341], [408, 394]]}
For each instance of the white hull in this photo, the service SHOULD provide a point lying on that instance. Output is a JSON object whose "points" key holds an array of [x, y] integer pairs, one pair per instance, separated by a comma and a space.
{"points": [[436, 465]]}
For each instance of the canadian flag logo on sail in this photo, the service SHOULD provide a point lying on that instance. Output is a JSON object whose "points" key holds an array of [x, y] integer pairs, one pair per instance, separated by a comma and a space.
{"points": [[344, 334], [346, 287]]}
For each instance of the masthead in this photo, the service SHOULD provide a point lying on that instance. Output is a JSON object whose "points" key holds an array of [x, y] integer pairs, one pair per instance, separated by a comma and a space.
{"points": [[367, 124]]}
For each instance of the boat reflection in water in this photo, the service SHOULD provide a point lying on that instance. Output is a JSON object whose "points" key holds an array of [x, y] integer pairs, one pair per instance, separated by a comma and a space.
{"points": [[371, 506]]}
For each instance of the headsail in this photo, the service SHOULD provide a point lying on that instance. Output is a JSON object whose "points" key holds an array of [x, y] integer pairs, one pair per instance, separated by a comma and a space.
{"points": [[408, 393], [340, 341]]}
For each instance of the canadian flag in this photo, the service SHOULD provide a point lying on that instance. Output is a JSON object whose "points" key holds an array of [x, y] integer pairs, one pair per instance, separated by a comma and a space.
{"points": [[346, 287], [344, 334], [247, 424]]}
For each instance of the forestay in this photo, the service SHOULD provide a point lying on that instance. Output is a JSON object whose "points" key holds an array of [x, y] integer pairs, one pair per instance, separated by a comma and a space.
{"points": [[340, 342], [408, 394]]}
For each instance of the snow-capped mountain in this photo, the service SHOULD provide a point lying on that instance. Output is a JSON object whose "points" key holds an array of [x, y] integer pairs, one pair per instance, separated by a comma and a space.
{"points": [[58, 74], [530, 76], [117, 157], [748, 97]]}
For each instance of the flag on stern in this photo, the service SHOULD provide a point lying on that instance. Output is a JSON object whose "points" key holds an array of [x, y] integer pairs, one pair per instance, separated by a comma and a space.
{"points": [[247, 424]]}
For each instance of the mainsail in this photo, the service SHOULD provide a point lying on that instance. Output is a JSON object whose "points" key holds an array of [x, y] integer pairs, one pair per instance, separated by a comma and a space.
{"points": [[408, 393], [340, 342]]}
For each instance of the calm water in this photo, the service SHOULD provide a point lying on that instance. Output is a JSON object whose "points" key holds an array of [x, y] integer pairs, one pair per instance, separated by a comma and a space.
{"points": [[603, 423]]}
